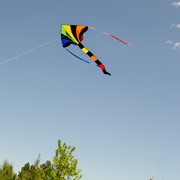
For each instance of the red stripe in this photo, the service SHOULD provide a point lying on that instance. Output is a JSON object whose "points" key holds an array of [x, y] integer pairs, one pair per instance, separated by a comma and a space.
{"points": [[102, 66]]}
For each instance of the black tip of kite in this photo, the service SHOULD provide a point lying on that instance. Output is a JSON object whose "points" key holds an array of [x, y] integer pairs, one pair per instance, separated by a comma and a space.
{"points": [[105, 72]]}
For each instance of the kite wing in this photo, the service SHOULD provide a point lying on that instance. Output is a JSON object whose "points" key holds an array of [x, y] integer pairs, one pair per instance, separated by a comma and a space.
{"points": [[73, 34]]}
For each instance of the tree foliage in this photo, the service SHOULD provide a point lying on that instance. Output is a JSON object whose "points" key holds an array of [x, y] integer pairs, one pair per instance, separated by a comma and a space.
{"points": [[62, 167], [31, 172], [65, 163], [6, 171]]}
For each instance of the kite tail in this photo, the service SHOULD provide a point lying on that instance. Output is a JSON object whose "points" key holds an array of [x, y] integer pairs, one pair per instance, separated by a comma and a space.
{"points": [[77, 56], [94, 58], [110, 35]]}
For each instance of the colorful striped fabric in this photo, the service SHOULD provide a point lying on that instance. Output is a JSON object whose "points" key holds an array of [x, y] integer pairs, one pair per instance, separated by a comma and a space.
{"points": [[73, 34]]}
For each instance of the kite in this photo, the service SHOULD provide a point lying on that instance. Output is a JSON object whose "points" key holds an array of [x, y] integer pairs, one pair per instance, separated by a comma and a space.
{"points": [[73, 34]]}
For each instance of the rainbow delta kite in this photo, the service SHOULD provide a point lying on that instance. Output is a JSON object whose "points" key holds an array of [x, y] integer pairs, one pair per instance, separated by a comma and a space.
{"points": [[73, 34]]}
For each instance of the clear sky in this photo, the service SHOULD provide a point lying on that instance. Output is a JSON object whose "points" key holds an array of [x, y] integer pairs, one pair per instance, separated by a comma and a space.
{"points": [[126, 126]]}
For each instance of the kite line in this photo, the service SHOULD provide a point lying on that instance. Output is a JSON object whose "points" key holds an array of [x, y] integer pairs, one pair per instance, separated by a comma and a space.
{"points": [[27, 52]]}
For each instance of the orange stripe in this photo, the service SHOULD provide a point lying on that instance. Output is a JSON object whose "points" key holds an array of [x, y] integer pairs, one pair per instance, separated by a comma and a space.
{"points": [[94, 58], [78, 30]]}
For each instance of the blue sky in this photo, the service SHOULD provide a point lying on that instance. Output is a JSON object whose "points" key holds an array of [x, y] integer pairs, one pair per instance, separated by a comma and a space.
{"points": [[126, 126]]}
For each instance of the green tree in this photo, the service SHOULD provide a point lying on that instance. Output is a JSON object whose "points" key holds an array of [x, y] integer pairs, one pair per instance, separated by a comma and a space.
{"points": [[48, 171], [65, 163], [63, 167], [31, 172], [6, 171]]}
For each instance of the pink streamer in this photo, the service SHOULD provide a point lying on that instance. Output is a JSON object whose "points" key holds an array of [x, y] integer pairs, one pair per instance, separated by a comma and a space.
{"points": [[110, 35]]}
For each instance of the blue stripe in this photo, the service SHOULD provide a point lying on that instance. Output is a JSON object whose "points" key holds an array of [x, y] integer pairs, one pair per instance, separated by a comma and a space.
{"points": [[80, 58]]}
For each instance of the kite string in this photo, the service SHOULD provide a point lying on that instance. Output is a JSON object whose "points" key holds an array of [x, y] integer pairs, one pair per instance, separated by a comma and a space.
{"points": [[107, 34], [27, 52]]}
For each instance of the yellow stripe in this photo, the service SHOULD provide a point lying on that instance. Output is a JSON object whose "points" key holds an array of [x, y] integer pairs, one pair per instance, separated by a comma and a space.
{"points": [[85, 50], [68, 30]]}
